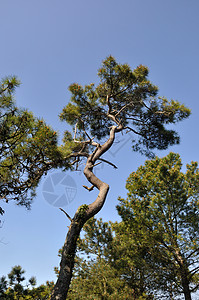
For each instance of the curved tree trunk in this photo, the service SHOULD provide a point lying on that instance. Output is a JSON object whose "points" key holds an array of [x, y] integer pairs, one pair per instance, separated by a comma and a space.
{"points": [[84, 213]]}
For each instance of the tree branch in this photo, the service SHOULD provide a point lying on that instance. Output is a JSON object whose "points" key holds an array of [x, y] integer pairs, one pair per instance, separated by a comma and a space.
{"points": [[89, 188], [108, 162], [131, 129], [122, 109], [66, 214]]}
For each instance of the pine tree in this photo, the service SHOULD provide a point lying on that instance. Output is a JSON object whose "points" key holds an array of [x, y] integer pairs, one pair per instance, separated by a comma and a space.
{"points": [[103, 270], [124, 100], [161, 217], [28, 148], [14, 287]]}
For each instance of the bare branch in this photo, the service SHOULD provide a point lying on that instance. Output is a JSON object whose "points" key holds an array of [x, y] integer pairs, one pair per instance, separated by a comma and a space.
{"points": [[113, 118], [131, 129], [126, 105], [192, 252], [121, 92], [108, 162], [90, 140], [77, 154], [83, 148], [66, 214], [75, 161], [75, 132], [136, 120], [145, 105], [97, 164], [89, 189]]}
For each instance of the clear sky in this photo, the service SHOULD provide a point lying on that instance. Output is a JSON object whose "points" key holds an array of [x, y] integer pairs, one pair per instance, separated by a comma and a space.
{"points": [[50, 44]]}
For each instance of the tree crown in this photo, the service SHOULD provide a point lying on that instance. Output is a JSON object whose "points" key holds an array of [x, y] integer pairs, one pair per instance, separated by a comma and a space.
{"points": [[125, 98], [160, 215], [28, 148]]}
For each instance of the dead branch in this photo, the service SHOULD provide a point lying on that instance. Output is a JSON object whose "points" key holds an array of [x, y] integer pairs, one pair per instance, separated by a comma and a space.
{"points": [[108, 162], [66, 214], [97, 164], [89, 188]]}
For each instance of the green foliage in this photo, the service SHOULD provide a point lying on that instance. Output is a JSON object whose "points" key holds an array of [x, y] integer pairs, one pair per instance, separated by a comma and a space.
{"points": [[98, 280], [98, 272], [126, 98], [97, 238], [154, 248], [3, 285], [15, 289], [28, 148], [16, 275], [123, 100], [161, 217], [123, 97]]}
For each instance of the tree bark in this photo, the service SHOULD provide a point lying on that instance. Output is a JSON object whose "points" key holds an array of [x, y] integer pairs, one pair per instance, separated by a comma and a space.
{"points": [[84, 213], [185, 285], [184, 275]]}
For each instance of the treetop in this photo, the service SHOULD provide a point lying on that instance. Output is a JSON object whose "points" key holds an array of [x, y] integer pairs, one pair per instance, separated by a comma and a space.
{"points": [[125, 98]]}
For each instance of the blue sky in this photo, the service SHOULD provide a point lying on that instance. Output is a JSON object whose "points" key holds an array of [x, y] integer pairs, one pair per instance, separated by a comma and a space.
{"points": [[51, 44]]}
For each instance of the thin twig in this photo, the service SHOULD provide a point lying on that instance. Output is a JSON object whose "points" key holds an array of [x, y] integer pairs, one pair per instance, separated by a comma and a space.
{"points": [[108, 162], [66, 214], [89, 188], [97, 164], [131, 129], [126, 105]]}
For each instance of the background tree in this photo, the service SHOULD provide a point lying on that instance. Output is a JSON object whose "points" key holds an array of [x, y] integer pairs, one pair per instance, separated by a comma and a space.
{"points": [[161, 214], [132, 260], [28, 148], [124, 100], [101, 269], [14, 287], [3, 286]]}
